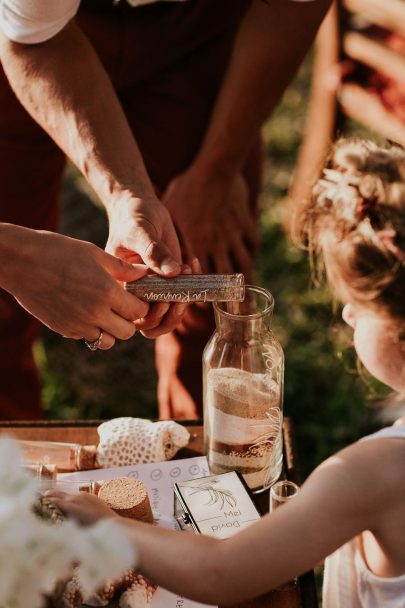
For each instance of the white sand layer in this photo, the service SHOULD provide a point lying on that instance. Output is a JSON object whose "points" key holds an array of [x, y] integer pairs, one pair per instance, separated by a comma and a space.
{"points": [[241, 393], [227, 428]]}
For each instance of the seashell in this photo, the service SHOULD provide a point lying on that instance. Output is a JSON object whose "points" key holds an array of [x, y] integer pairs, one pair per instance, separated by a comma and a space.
{"points": [[126, 441]]}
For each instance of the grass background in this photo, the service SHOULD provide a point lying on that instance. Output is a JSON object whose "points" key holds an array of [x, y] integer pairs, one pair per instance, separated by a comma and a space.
{"points": [[327, 400]]}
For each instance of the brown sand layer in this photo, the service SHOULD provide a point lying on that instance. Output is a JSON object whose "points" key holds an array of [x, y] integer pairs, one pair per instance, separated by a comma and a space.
{"points": [[241, 449], [127, 497], [241, 461]]}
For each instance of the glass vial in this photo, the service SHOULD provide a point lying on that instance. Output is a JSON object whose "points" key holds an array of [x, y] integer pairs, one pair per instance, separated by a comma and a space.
{"points": [[243, 375], [43, 472], [65, 456], [281, 493], [189, 288]]}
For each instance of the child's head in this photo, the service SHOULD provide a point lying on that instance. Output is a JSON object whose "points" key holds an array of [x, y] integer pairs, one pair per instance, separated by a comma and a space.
{"points": [[356, 221]]}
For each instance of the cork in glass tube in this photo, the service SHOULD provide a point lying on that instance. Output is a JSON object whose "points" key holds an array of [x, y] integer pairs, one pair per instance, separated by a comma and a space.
{"points": [[189, 288]]}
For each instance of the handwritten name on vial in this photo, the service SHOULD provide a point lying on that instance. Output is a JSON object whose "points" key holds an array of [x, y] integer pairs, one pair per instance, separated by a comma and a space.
{"points": [[180, 296]]}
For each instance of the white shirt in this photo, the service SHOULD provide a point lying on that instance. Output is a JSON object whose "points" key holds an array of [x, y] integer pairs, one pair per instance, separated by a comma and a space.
{"points": [[33, 21], [348, 583]]}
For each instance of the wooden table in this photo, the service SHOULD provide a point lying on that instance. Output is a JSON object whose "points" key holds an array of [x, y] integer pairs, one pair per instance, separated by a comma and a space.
{"points": [[84, 432]]}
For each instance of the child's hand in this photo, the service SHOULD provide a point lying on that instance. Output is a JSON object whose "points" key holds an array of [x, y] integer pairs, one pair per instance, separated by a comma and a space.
{"points": [[83, 507]]}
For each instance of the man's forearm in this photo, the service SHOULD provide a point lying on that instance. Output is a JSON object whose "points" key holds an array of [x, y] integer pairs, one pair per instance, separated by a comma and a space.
{"points": [[16, 245], [272, 41], [65, 88]]}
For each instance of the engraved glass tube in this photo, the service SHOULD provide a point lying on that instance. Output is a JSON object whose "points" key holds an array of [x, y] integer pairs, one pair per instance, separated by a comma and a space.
{"points": [[189, 288]]}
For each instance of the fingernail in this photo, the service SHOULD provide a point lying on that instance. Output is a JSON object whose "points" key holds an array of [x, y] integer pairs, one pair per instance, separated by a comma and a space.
{"points": [[180, 309], [163, 308], [185, 269], [169, 265], [195, 266]]}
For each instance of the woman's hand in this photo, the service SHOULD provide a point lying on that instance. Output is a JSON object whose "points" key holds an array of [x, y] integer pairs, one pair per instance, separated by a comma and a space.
{"points": [[85, 508], [72, 286]]}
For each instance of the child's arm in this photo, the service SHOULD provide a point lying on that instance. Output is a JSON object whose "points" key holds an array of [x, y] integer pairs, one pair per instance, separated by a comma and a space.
{"points": [[349, 493]]}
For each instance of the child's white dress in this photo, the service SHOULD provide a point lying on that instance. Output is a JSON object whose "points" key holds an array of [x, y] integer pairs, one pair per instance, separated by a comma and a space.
{"points": [[348, 583]]}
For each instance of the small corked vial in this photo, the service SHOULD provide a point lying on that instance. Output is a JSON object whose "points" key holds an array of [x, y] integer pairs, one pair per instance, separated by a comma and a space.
{"points": [[127, 497], [90, 487], [43, 472], [66, 456], [188, 288]]}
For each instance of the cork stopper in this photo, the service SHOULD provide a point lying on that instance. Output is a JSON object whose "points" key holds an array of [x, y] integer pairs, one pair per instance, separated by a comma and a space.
{"points": [[85, 457], [127, 497]]}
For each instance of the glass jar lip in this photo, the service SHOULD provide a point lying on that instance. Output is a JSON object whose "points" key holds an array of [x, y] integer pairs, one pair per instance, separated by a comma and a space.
{"points": [[255, 315]]}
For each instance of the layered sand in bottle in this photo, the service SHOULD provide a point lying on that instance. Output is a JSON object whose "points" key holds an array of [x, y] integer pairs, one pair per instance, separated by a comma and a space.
{"points": [[244, 425]]}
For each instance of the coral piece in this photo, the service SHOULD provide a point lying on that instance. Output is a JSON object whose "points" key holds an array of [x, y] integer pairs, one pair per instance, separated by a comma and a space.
{"points": [[136, 592], [103, 596], [139, 595], [127, 441], [72, 596]]}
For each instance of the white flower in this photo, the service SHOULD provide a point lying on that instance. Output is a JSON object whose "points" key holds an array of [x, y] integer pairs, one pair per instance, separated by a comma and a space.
{"points": [[35, 554], [107, 554], [17, 489]]}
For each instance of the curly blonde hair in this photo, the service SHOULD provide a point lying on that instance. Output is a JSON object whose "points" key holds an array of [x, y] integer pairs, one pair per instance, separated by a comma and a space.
{"points": [[355, 221]]}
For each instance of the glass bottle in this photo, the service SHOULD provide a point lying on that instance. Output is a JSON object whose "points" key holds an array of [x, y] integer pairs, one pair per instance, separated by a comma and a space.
{"points": [[243, 376]]}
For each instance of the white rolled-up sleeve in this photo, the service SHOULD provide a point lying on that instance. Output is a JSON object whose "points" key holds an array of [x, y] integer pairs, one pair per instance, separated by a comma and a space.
{"points": [[33, 21]]}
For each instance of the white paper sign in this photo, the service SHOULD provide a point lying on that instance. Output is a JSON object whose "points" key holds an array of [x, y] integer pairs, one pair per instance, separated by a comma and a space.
{"points": [[159, 479]]}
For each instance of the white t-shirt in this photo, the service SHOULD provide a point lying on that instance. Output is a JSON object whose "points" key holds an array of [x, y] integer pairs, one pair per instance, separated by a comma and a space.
{"points": [[33, 21], [348, 583]]}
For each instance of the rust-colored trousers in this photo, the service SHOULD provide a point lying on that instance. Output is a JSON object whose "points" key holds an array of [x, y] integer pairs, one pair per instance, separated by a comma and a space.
{"points": [[166, 62]]}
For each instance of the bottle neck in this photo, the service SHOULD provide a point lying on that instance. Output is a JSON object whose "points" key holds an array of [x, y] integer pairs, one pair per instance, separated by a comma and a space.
{"points": [[240, 327], [245, 320]]}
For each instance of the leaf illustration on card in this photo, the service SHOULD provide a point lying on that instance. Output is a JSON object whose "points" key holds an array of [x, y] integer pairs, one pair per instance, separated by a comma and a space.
{"points": [[215, 495]]}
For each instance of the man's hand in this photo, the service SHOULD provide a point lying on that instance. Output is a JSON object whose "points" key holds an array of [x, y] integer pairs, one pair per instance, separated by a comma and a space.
{"points": [[142, 231], [214, 220], [71, 286]]}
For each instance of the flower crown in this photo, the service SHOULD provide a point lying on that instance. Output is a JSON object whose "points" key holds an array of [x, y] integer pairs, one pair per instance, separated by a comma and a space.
{"points": [[359, 192]]}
